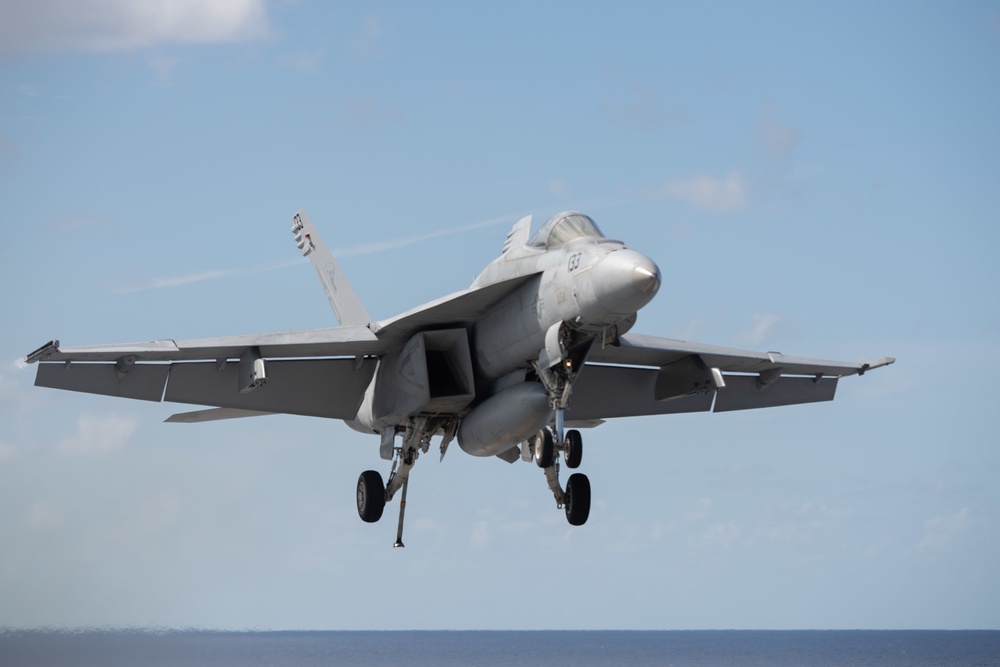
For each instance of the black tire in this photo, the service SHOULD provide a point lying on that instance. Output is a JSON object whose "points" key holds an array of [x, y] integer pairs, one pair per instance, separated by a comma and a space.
{"points": [[576, 499], [545, 450], [574, 449], [371, 496]]}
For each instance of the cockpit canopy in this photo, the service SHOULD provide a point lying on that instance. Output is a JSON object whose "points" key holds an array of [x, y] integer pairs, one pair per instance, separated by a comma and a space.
{"points": [[564, 227]]}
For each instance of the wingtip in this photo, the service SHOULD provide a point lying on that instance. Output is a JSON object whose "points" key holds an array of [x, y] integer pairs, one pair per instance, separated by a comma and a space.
{"points": [[44, 352], [878, 363]]}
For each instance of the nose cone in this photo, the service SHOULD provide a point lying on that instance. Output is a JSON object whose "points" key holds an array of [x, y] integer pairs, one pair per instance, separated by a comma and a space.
{"points": [[646, 277], [624, 282]]}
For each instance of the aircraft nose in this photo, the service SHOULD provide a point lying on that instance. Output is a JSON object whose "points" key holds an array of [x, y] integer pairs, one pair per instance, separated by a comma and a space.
{"points": [[625, 281], [646, 277]]}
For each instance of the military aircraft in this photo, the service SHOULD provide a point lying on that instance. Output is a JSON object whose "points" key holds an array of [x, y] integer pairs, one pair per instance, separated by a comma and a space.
{"points": [[535, 349]]}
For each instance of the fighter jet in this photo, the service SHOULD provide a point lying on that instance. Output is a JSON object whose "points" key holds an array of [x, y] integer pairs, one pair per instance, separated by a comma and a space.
{"points": [[512, 367]]}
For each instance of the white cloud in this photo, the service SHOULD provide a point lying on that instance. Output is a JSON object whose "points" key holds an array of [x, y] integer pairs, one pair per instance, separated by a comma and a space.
{"points": [[699, 511], [304, 59], [41, 516], [941, 532], [778, 140], [164, 67], [16, 396], [761, 329], [645, 112], [804, 522], [558, 187], [368, 41], [718, 536], [99, 435], [7, 385], [720, 195], [481, 538], [7, 451], [9, 151], [119, 25], [363, 113]]}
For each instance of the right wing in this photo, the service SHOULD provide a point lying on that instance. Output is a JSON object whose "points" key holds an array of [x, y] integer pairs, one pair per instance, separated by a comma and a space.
{"points": [[647, 375]]}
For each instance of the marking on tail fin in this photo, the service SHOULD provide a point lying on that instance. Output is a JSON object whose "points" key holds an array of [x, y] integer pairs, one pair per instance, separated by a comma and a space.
{"points": [[347, 307], [518, 235]]}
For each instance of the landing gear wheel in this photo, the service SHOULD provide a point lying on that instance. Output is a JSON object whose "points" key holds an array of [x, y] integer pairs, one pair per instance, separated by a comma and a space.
{"points": [[371, 496], [574, 449], [545, 449], [576, 499]]}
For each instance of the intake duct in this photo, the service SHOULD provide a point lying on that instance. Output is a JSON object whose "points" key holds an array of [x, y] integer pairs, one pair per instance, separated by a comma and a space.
{"points": [[431, 374]]}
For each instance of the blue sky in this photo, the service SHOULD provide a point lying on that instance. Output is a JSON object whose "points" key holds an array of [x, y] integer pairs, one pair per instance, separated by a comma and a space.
{"points": [[819, 180]]}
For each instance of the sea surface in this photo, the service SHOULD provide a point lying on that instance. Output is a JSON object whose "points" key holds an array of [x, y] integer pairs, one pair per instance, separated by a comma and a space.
{"points": [[717, 648]]}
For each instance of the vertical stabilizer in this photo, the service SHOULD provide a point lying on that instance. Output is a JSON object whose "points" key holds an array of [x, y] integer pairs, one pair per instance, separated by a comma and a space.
{"points": [[518, 236], [344, 301]]}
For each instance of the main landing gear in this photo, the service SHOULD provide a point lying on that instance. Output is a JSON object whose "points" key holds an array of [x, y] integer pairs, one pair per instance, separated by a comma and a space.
{"points": [[575, 498], [372, 494], [545, 447]]}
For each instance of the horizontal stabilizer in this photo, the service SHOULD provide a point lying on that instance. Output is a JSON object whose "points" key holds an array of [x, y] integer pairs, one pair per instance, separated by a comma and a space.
{"points": [[212, 414]]}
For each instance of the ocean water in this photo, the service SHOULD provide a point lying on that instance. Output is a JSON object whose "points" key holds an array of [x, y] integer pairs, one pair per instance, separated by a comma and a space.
{"points": [[716, 648]]}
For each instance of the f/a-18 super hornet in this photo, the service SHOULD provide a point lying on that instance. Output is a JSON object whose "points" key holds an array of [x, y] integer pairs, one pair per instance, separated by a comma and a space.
{"points": [[535, 349]]}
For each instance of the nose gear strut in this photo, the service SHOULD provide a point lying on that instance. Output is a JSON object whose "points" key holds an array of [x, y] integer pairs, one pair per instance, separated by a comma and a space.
{"points": [[557, 369], [575, 498]]}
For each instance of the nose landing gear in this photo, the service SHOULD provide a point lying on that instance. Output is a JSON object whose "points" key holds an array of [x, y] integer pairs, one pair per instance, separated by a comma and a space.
{"points": [[575, 498]]}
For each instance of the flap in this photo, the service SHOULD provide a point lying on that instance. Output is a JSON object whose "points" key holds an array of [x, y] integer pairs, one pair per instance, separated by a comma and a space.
{"points": [[315, 387], [744, 392], [603, 392], [142, 381]]}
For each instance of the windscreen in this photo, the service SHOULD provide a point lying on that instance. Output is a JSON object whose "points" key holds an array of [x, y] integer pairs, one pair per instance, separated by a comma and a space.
{"points": [[564, 227]]}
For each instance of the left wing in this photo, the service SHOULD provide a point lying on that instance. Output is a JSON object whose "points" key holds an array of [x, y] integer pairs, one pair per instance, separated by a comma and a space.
{"points": [[646, 375], [316, 372], [245, 373], [314, 387]]}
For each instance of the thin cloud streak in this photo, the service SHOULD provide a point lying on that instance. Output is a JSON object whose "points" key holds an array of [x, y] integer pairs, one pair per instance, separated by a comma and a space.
{"points": [[365, 249], [392, 244], [177, 281]]}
